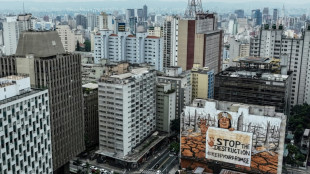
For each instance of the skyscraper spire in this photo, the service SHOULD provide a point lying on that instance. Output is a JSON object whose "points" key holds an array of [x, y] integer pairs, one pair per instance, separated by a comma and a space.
{"points": [[194, 7]]}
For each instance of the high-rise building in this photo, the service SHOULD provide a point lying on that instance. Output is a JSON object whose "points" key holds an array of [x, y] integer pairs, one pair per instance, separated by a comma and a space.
{"points": [[145, 15], [239, 13], [275, 15], [139, 14], [238, 47], [202, 80], [129, 14], [257, 17], [81, 20], [266, 15], [91, 124], [91, 21], [181, 83], [256, 80], [10, 35], [123, 46], [155, 31], [12, 27], [25, 127], [42, 56], [271, 42], [127, 111], [106, 22], [165, 106], [200, 42], [67, 37]]}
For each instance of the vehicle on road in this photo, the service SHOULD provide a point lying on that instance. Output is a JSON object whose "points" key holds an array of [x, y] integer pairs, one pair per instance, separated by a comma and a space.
{"points": [[156, 166]]}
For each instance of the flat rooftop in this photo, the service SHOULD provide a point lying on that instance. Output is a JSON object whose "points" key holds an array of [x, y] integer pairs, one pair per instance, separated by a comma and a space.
{"points": [[13, 77], [126, 77], [251, 59], [259, 74], [7, 81], [90, 86], [26, 94]]}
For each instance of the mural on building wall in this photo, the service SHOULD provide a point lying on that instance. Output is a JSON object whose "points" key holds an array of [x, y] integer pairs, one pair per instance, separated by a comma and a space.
{"points": [[235, 140]]}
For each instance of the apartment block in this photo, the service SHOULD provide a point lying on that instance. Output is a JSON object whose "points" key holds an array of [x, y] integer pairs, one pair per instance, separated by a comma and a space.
{"points": [[271, 42], [12, 27], [165, 106], [181, 83], [123, 46], [202, 80], [255, 81], [67, 37], [25, 129], [127, 111]]}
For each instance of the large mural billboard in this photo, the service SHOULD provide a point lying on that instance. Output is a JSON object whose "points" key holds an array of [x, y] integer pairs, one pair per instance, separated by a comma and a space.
{"points": [[232, 136]]}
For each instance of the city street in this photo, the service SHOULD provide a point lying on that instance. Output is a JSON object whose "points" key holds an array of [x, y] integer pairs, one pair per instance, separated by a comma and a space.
{"points": [[162, 163]]}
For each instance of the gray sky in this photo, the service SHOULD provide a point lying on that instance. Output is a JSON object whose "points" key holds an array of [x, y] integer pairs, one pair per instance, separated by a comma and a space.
{"points": [[145, 1]]}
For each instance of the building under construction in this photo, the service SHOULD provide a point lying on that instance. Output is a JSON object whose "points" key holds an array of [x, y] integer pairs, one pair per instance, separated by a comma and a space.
{"points": [[255, 80]]}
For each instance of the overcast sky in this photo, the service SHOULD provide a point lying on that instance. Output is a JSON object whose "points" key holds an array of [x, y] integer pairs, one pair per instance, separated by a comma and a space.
{"points": [[145, 1]]}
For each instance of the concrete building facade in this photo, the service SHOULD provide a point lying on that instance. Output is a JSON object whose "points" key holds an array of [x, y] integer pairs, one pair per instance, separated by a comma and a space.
{"points": [[165, 106], [271, 42], [42, 56], [127, 111], [255, 81], [181, 83], [91, 123], [200, 42], [202, 80], [67, 37], [25, 129]]}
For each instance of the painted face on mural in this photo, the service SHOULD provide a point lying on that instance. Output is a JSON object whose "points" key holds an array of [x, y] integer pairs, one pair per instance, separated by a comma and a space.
{"points": [[224, 120]]}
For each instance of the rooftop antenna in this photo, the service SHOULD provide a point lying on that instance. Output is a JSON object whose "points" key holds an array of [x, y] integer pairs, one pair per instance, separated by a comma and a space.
{"points": [[193, 7]]}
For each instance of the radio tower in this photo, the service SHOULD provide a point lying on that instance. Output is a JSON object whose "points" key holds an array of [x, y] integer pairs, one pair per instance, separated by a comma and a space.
{"points": [[194, 7]]}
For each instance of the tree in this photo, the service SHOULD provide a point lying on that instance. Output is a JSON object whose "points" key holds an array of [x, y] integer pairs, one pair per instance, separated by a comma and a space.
{"points": [[78, 47], [299, 121], [294, 157], [87, 45], [174, 146]]}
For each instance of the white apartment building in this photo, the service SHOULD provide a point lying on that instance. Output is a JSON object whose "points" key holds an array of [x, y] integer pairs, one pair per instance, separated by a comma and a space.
{"points": [[295, 52], [67, 37], [105, 21], [127, 111], [10, 35], [12, 27], [123, 46], [24, 128], [165, 106], [174, 40]]}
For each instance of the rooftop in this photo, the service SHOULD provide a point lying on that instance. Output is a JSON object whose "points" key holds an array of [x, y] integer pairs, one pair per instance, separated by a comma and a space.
{"points": [[126, 77], [16, 97], [90, 86], [13, 77], [258, 74], [39, 44], [260, 60]]}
